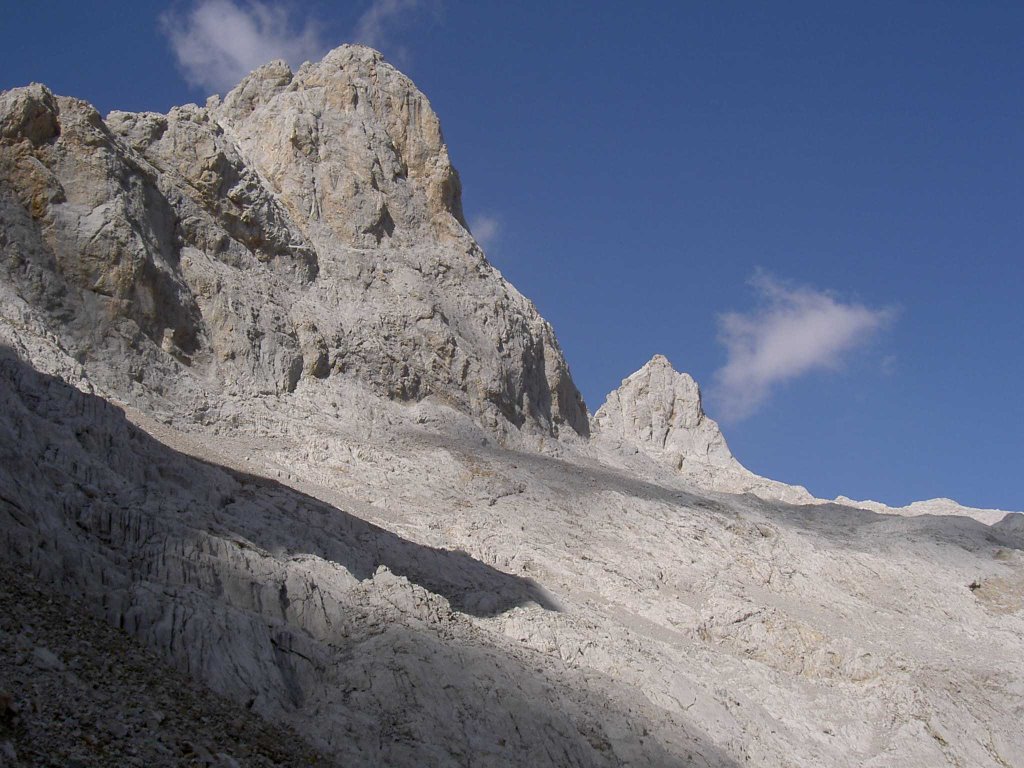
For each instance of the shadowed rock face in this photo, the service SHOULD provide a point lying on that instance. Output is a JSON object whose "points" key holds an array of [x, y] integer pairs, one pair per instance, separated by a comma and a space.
{"points": [[79, 692], [309, 226], [357, 637]]}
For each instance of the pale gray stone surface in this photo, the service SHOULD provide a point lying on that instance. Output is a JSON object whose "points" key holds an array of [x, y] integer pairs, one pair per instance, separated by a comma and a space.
{"points": [[308, 227], [658, 412], [931, 507], [265, 405]]}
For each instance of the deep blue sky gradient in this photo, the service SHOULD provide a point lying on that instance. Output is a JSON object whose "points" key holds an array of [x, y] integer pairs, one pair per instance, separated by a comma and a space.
{"points": [[643, 161]]}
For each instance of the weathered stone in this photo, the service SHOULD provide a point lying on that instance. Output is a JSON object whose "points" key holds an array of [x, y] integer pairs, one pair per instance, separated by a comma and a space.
{"points": [[266, 408], [44, 658], [658, 412], [30, 114], [310, 226]]}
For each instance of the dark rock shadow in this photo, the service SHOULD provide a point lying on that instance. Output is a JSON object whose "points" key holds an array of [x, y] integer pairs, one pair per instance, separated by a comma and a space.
{"points": [[862, 530], [360, 547], [99, 509], [572, 476], [498, 708], [73, 461]]}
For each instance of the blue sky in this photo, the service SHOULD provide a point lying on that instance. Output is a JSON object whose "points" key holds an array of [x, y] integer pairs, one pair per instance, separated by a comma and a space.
{"points": [[817, 209]]}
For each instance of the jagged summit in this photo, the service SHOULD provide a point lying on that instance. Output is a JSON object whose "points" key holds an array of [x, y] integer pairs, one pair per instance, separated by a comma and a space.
{"points": [[349, 142], [252, 369], [306, 228], [658, 412]]}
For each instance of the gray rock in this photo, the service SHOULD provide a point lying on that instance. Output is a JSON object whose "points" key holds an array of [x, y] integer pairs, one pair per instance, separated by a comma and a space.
{"points": [[29, 114], [308, 227], [658, 412], [266, 408], [44, 658], [115, 728]]}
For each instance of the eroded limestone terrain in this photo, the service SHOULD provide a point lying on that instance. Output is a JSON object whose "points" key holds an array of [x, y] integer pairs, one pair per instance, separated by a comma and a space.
{"points": [[266, 408]]}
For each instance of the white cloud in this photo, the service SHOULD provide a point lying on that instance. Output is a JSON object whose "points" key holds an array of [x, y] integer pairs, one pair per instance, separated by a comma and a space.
{"points": [[374, 26], [485, 230], [796, 330], [218, 42]]}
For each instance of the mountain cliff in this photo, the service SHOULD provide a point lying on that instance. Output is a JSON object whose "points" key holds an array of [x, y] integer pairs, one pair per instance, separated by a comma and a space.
{"points": [[266, 408], [307, 227], [658, 412]]}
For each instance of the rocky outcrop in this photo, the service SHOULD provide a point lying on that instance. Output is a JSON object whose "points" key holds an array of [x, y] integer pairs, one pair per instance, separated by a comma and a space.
{"points": [[657, 412], [257, 367], [76, 691], [307, 227], [281, 602], [661, 410]]}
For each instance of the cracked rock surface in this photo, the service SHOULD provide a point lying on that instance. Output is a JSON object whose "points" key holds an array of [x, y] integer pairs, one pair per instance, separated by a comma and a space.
{"points": [[657, 412], [308, 227], [75, 691], [268, 413]]}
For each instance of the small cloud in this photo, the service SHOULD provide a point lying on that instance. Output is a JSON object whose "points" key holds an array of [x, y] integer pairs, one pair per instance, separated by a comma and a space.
{"points": [[796, 330], [485, 229], [377, 24], [218, 42]]}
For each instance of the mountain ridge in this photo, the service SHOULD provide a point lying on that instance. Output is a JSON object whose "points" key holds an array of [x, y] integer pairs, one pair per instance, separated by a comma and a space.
{"points": [[253, 243], [267, 408]]}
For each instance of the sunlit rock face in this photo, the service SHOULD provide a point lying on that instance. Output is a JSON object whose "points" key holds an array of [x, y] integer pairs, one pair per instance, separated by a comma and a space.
{"points": [[657, 412], [309, 226], [266, 408], [660, 410]]}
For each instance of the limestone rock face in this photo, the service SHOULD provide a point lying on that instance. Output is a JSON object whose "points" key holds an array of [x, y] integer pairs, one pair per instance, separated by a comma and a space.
{"points": [[660, 410], [28, 113], [252, 369], [308, 227], [348, 144], [657, 412]]}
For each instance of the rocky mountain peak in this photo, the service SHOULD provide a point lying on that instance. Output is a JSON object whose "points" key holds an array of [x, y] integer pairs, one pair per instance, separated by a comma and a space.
{"points": [[657, 412], [29, 112], [349, 143], [308, 228], [266, 407]]}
